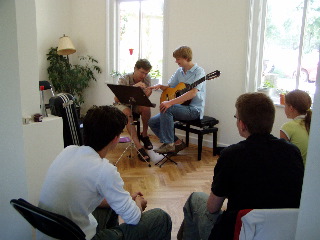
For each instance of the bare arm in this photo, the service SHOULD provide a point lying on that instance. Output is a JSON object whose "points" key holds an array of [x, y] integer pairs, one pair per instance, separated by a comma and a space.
{"points": [[283, 135], [214, 203], [158, 86]]}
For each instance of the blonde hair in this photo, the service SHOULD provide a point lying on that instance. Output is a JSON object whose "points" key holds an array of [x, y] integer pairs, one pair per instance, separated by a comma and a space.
{"points": [[183, 52]]}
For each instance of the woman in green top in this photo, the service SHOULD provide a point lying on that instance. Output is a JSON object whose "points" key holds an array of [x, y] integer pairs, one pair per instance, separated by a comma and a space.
{"points": [[297, 107]]}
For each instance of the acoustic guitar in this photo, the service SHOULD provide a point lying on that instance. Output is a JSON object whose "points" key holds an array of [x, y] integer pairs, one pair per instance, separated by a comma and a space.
{"points": [[182, 88]]}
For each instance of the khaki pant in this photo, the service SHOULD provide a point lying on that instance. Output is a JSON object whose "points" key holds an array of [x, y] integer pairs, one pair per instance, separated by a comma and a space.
{"points": [[154, 224]]}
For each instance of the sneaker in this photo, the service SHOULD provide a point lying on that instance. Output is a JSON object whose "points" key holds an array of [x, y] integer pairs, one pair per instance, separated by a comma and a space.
{"points": [[165, 148], [180, 147]]}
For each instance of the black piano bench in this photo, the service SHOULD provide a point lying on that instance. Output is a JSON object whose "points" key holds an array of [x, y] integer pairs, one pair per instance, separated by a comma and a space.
{"points": [[205, 126]]}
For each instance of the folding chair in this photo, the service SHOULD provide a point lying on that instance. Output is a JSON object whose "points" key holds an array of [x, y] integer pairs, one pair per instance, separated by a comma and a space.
{"points": [[49, 223]]}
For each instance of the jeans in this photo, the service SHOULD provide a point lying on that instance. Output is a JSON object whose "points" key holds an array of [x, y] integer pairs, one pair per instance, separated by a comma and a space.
{"points": [[198, 222], [162, 124], [154, 224]]}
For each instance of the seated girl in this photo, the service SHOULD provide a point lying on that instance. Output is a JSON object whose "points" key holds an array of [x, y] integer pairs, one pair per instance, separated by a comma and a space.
{"points": [[296, 131]]}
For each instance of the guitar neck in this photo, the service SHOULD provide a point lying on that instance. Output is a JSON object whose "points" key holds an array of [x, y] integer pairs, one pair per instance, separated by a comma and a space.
{"points": [[196, 83]]}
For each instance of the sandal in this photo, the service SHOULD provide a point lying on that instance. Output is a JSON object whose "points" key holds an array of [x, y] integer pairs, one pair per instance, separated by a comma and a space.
{"points": [[146, 142], [142, 154]]}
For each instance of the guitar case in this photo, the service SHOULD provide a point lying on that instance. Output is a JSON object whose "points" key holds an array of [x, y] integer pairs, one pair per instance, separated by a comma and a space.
{"points": [[62, 105]]}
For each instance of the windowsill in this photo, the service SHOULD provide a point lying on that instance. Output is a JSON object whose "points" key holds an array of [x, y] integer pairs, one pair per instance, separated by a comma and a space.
{"points": [[276, 101]]}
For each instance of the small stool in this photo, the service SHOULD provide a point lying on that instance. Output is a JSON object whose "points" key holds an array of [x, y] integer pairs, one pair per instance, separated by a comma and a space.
{"points": [[206, 126], [166, 157]]}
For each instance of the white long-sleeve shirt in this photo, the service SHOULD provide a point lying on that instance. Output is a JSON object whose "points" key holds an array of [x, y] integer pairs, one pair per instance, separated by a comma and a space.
{"points": [[77, 182]]}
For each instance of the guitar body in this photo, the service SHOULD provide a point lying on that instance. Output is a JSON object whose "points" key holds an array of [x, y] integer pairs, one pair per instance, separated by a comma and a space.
{"points": [[182, 88], [172, 93]]}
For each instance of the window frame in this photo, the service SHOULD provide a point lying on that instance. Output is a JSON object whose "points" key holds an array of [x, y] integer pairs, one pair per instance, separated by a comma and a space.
{"points": [[113, 38], [256, 38]]}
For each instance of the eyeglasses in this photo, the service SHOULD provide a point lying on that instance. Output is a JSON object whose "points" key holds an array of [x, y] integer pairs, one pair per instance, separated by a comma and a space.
{"points": [[235, 116]]}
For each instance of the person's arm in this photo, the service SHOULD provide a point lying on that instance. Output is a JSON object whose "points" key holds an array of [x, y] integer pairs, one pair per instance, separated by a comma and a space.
{"points": [[111, 187], [183, 98], [141, 202], [214, 203], [283, 135], [104, 204], [145, 89], [158, 86], [122, 81]]}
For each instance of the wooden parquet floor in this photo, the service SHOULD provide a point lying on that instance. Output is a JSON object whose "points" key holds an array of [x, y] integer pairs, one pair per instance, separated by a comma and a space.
{"points": [[167, 187]]}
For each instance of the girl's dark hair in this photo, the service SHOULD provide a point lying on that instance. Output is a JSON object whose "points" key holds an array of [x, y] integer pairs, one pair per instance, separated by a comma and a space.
{"points": [[101, 125], [301, 101]]}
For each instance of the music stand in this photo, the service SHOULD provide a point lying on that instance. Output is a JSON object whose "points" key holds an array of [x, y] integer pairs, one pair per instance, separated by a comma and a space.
{"points": [[133, 96]]}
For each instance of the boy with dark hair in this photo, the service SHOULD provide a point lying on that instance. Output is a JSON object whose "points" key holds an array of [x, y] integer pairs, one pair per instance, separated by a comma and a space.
{"points": [[82, 185], [257, 173]]}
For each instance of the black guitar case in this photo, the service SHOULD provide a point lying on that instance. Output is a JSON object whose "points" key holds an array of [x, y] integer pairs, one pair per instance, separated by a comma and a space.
{"points": [[62, 105]]}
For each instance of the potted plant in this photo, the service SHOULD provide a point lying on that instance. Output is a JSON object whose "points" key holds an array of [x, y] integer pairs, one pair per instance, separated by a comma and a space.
{"points": [[282, 95], [116, 74], [69, 78], [155, 76], [268, 88]]}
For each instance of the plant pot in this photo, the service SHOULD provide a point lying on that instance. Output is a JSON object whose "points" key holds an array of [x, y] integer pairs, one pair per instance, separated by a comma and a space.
{"points": [[282, 98]]}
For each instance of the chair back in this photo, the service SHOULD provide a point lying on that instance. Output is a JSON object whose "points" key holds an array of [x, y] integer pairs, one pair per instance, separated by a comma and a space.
{"points": [[46, 85], [265, 224], [63, 105], [51, 224]]}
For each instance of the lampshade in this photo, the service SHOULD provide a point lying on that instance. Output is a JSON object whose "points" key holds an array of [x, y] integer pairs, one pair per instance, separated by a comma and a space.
{"points": [[65, 46]]}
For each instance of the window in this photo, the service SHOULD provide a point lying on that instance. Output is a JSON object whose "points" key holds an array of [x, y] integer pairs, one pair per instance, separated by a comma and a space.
{"points": [[139, 33], [284, 44]]}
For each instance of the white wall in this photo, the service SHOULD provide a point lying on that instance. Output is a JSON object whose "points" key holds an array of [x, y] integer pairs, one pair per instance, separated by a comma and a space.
{"points": [[13, 179], [309, 220], [25, 155]]}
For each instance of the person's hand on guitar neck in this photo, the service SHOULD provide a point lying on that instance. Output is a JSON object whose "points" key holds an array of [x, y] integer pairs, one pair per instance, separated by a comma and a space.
{"points": [[183, 98]]}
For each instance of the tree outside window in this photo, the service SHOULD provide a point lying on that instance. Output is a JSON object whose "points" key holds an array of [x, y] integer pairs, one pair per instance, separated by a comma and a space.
{"points": [[140, 34], [291, 44]]}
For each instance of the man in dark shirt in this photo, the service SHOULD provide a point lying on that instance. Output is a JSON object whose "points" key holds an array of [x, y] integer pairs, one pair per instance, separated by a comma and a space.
{"points": [[259, 172]]}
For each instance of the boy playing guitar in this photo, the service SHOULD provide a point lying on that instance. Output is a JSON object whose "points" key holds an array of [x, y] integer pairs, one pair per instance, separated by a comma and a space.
{"points": [[162, 124]]}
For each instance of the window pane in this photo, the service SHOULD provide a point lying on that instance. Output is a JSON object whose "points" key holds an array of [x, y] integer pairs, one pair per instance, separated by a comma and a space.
{"points": [[128, 35], [142, 33], [282, 40], [310, 55], [152, 29], [282, 37]]}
